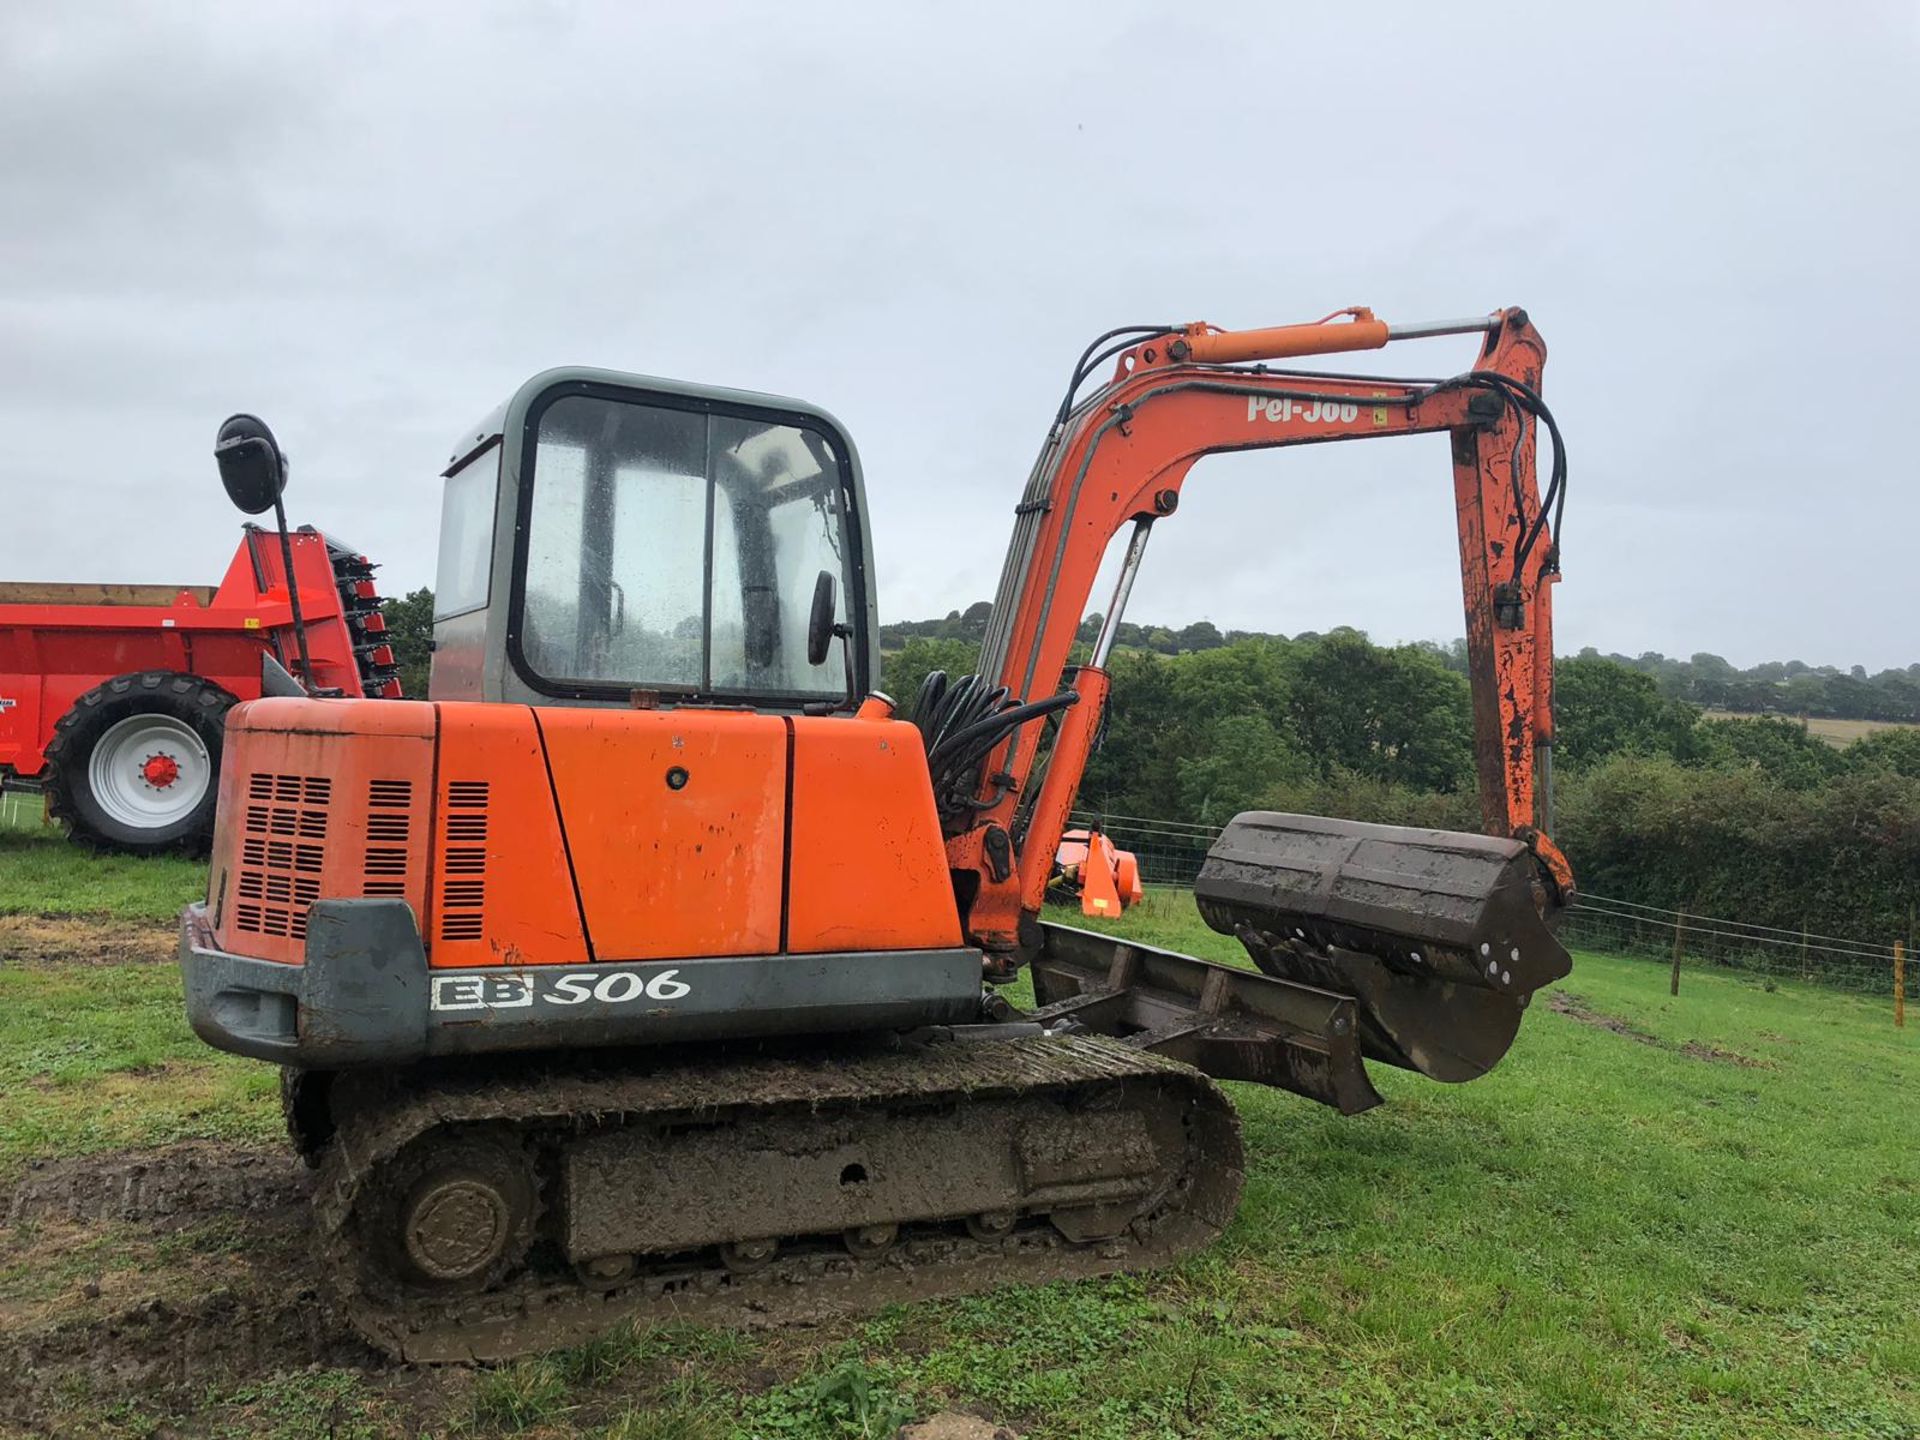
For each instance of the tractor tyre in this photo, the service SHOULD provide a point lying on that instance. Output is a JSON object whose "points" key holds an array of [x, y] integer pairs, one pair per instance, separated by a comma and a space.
{"points": [[134, 766]]}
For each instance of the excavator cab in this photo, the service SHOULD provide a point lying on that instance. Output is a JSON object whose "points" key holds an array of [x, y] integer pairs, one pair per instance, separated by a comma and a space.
{"points": [[608, 536]]}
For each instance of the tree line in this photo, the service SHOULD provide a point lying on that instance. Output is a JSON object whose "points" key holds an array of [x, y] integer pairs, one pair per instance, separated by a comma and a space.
{"points": [[1753, 818], [1776, 687], [1782, 687]]}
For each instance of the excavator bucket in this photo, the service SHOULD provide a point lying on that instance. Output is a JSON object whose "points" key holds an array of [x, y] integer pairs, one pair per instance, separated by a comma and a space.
{"points": [[1415, 947], [1439, 937]]}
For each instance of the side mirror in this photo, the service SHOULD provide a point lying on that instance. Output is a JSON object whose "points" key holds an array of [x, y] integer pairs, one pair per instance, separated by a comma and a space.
{"points": [[820, 620], [252, 468], [254, 471]]}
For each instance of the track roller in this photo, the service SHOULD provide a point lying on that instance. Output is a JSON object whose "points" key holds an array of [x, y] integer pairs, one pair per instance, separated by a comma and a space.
{"points": [[869, 1242], [746, 1257], [991, 1225]]}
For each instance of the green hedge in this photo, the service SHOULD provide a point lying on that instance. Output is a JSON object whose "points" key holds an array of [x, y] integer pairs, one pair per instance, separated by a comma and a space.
{"points": [[1841, 858]]}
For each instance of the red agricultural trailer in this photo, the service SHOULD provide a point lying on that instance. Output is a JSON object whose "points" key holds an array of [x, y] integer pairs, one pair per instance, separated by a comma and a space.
{"points": [[114, 697]]}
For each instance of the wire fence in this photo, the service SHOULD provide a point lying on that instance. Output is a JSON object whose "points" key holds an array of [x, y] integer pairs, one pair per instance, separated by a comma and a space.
{"points": [[21, 808], [1171, 852], [1625, 927]]}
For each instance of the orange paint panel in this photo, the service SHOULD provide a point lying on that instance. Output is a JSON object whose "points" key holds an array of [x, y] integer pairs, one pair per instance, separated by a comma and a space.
{"points": [[869, 864], [677, 823], [319, 799], [500, 889]]}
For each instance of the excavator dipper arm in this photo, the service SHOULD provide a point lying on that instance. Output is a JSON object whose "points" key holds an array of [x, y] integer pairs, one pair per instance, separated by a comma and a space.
{"points": [[1122, 456]]}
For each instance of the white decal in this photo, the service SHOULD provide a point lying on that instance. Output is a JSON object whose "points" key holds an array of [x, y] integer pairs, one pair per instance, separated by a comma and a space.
{"points": [[481, 992], [664, 987], [459, 992], [1281, 409], [519, 989], [619, 987]]}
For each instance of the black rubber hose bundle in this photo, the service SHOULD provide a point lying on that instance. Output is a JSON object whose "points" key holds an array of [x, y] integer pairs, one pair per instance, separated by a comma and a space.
{"points": [[962, 722]]}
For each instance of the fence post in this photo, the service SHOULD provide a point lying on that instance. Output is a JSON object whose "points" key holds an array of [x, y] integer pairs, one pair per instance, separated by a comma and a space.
{"points": [[1679, 934], [1806, 967], [1899, 985]]}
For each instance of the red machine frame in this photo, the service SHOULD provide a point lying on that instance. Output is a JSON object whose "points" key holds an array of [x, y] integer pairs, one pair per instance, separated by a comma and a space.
{"points": [[59, 641]]}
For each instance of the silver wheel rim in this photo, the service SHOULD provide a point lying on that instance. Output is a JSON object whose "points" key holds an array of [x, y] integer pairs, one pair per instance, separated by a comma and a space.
{"points": [[149, 771]]}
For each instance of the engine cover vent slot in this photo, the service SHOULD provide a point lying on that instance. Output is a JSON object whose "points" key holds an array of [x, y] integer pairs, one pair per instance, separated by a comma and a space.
{"points": [[282, 853], [384, 862], [463, 868]]}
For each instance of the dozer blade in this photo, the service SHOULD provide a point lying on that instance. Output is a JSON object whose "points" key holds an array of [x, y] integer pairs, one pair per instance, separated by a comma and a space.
{"points": [[1439, 937], [1230, 1023]]}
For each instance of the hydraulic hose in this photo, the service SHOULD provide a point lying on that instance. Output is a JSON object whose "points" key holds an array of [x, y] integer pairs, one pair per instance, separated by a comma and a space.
{"points": [[962, 722]]}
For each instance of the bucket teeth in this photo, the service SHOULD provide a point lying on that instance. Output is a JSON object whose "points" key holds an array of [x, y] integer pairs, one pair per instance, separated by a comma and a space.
{"points": [[1440, 937]]}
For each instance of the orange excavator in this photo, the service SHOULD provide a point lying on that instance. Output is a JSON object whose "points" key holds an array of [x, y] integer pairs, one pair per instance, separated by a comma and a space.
{"points": [[654, 964]]}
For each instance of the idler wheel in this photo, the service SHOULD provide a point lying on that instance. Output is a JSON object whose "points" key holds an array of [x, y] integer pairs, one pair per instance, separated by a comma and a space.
{"points": [[458, 1211]]}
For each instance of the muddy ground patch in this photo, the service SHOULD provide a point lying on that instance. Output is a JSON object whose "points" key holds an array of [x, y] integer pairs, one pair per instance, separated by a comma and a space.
{"points": [[143, 1276], [170, 1293], [82, 940], [1575, 1008]]}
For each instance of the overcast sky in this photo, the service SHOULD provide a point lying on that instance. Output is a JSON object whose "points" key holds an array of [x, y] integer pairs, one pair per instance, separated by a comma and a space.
{"points": [[369, 224]]}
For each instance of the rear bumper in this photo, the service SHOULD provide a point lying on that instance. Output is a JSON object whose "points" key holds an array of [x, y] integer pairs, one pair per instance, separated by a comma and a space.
{"points": [[366, 996]]}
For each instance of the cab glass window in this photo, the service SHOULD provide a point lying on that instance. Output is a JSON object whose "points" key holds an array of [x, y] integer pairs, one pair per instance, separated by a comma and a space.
{"points": [[678, 550], [465, 572]]}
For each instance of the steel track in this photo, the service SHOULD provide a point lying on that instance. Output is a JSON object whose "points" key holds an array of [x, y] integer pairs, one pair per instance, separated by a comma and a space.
{"points": [[552, 1104]]}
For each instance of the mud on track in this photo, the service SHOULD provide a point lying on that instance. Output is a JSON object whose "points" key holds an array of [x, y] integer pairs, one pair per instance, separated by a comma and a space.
{"points": [[145, 1275], [70, 940]]}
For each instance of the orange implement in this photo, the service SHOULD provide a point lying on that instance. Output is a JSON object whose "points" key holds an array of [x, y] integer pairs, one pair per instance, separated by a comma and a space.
{"points": [[1106, 878]]}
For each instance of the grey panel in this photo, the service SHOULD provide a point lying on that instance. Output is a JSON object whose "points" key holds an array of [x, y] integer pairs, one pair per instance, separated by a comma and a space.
{"points": [[722, 998], [460, 651], [366, 996]]}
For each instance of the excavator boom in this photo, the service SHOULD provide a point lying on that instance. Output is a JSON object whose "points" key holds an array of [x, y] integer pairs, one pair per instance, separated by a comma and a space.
{"points": [[1121, 457], [1436, 939]]}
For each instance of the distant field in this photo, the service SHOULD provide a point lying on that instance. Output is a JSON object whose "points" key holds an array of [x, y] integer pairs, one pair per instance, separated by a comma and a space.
{"points": [[1837, 733]]}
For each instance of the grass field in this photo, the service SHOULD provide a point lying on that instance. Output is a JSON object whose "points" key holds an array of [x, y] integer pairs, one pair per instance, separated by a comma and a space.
{"points": [[1837, 733], [41, 874], [1691, 1217]]}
